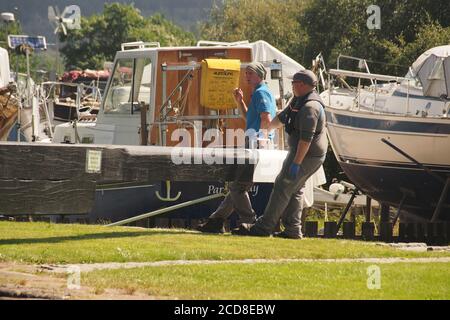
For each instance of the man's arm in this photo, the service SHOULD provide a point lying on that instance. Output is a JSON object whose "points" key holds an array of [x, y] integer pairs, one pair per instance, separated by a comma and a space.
{"points": [[302, 150], [265, 120], [275, 124], [306, 122], [265, 123], [238, 96]]}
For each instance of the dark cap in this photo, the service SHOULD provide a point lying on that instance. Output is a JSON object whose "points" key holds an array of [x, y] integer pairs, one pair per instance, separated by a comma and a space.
{"points": [[306, 76], [258, 67]]}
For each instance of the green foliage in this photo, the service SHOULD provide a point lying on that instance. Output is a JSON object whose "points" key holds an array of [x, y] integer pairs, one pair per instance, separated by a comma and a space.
{"points": [[72, 243], [428, 36], [17, 62], [273, 21], [39, 60], [303, 28], [7, 29], [269, 281], [101, 35], [408, 28]]}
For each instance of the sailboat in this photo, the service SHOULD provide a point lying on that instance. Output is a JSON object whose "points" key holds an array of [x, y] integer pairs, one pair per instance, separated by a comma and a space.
{"points": [[391, 135]]}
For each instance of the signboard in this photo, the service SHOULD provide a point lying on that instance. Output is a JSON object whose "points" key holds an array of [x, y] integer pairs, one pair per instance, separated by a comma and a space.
{"points": [[93, 161], [34, 42], [219, 78]]}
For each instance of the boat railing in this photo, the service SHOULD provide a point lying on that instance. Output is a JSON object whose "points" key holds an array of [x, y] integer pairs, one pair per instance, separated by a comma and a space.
{"points": [[139, 45], [374, 78], [96, 92], [204, 43], [49, 86], [362, 63]]}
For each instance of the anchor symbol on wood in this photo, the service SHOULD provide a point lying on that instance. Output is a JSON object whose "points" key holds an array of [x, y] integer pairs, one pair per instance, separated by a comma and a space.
{"points": [[168, 198]]}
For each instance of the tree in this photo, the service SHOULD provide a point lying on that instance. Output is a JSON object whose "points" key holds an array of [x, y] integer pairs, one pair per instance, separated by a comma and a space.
{"points": [[17, 61], [272, 20], [101, 35], [339, 27], [428, 36]]}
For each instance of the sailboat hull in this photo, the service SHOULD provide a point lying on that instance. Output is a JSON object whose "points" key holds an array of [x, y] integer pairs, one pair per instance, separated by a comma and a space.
{"points": [[385, 174], [389, 184]]}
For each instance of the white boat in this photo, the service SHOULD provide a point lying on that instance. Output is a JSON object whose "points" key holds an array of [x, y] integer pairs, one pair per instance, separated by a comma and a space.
{"points": [[392, 136]]}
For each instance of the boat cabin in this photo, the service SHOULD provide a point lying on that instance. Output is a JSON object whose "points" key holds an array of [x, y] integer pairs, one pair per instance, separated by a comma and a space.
{"points": [[153, 90]]}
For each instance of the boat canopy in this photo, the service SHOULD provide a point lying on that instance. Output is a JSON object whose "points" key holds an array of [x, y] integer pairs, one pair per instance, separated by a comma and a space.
{"points": [[432, 69], [264, 52], [5, 74]]}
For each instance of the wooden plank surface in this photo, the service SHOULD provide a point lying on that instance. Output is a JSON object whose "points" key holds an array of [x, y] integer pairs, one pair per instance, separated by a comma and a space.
{"points": [[42, 197], [120, 163], [38, 178]]}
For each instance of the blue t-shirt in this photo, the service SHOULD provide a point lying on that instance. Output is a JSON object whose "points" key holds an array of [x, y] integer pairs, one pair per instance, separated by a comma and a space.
{"points": [[262, 101]]}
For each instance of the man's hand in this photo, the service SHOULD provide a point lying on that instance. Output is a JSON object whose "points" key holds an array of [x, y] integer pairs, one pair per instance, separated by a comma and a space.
{"points": [[238, 95], [293, 171]]}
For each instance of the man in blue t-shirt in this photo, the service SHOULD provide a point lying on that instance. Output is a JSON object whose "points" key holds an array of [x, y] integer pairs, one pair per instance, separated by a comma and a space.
{"points": [[258, 115]]}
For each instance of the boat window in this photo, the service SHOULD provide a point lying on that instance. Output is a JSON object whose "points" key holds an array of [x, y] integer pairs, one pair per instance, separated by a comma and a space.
{"points": [[438, 71], [128, 74], [142, 83], [414, 81]]}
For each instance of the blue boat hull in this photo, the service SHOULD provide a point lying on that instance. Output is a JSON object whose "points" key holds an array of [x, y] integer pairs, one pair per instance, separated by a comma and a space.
{"points": [[115, 204]]}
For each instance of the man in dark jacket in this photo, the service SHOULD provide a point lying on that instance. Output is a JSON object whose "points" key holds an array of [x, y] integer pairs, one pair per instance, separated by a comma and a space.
{"points": [[304, 121]]}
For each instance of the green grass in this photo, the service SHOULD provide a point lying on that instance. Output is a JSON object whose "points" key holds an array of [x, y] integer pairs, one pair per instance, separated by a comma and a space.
{"points": [[71, 243], [279, 281]]}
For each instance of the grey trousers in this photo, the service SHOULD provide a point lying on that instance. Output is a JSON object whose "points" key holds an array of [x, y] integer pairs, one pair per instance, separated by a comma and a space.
{"points": [[237, 200], [286, 199]]}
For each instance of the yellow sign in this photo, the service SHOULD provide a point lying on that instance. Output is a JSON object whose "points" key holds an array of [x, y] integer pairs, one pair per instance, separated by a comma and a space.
{"points": [[219, 78]]}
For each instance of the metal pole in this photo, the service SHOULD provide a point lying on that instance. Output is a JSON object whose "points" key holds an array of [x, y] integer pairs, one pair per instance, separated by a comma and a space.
{"points": [[164, 210], [441, 201], [375, 96], [162, 128], [421, 166], [144, 131], [47, 115], [368, 208], [19, 118], [407, 98], [282, 105], [359, 93], [27, 53], [384, 213], [78, 101], [347, 208], [399, 210]]}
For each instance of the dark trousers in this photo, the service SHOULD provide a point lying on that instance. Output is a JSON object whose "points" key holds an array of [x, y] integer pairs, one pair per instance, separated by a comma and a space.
{"points": [[237, 200], [286, 199]]}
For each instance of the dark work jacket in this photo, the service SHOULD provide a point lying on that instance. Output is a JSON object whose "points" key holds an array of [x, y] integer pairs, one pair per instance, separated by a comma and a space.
{"points": [[304, 119]]}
